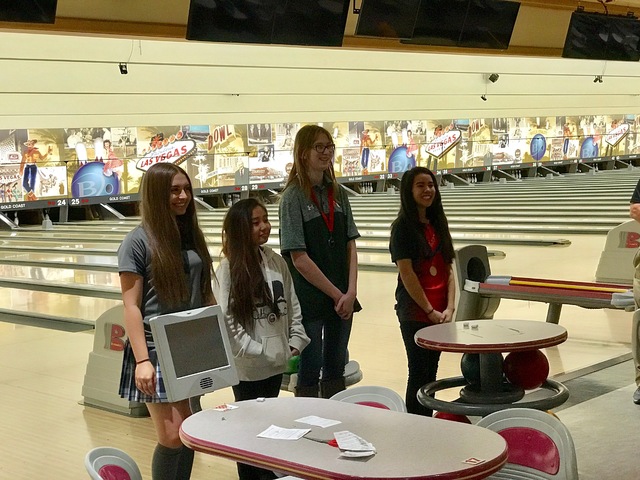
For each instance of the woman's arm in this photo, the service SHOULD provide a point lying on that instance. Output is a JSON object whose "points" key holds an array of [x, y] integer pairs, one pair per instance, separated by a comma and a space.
{"points": [[298, 338], [131, 286], [344, 307], [451, 297], [242, 344]]}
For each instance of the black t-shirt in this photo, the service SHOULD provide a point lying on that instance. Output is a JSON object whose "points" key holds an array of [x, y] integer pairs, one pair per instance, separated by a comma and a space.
{"points": [[635, 198]]}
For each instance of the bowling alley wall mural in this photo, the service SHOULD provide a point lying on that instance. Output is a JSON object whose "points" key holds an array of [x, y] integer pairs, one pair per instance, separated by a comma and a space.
{"points": [[42, 168]]}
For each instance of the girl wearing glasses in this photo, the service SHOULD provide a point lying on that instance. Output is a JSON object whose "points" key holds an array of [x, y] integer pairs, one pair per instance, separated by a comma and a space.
{"points": [[422, 249], [317, 239]]}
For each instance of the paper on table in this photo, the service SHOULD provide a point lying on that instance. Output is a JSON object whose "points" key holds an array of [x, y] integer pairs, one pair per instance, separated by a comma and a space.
{"points": [[352, 442], [280, 433], [318, 421]]}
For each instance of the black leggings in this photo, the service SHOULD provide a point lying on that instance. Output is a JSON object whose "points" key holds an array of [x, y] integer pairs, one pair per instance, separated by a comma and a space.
{"points": [[268, 388], [423, 366]]}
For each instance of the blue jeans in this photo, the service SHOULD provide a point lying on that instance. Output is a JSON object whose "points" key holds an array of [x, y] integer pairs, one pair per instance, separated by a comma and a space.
{"points": [[327, 350], [29, 178]]}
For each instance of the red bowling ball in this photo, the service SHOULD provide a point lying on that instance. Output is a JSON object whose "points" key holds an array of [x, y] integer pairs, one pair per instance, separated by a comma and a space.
{"points": [[526, 370], [452, 417]]}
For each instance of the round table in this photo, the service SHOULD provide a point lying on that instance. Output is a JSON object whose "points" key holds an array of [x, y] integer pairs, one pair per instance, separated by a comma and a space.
{"points": [[488, 338]]}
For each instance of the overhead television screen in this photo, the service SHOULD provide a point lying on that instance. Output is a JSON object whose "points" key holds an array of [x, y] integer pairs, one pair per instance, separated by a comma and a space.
{"points": [[301, 22], [238, 21], [310, 22], [387, 18], [602, 37], [465, 23], [28, 11]]}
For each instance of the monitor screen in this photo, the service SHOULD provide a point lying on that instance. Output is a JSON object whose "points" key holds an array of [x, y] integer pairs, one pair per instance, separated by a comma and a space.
{"points": [[465, 23], [310, 22], [387, 18], [602, 37], [194, 352], [303, 22], [28, 11]]}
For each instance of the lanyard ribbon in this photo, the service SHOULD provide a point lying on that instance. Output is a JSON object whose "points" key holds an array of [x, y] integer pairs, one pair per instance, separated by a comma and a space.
{"points": [[328, 221]]}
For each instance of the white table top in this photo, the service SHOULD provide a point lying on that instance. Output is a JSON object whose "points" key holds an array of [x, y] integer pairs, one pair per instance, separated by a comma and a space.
{"points": [[408, 446], [484, 336]]}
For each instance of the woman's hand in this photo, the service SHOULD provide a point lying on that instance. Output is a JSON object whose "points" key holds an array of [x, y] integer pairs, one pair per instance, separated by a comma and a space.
{"points": [[344, 305], [448, 315], [146, 378], [436, 317]]}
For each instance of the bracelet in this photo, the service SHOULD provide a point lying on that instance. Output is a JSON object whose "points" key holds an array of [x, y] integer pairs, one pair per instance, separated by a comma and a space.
{"points": [[142, 361], [430, 311]]}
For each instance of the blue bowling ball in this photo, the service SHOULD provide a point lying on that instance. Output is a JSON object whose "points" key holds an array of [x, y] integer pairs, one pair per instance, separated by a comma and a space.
{"points": [[399, 162], [538, 146], [90, 181], [589, 148]]}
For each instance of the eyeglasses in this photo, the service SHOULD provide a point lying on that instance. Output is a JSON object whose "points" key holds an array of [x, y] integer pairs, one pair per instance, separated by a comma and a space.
{"points": [[322, 148]]}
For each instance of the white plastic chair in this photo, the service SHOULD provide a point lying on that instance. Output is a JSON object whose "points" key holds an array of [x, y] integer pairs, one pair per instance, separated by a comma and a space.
{"points": [[107, 463], [540, 446], [372, 396]]}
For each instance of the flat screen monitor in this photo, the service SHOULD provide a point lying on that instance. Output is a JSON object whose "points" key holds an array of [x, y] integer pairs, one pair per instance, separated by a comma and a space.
{"points": [[387, 18], [28, 11], [303, 22], [194, 352], [310, 22], [465, 23], [602, 37]]}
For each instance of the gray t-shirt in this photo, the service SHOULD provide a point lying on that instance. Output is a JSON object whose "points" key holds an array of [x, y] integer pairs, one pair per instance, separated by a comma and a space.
{"points": [[134, 256]]}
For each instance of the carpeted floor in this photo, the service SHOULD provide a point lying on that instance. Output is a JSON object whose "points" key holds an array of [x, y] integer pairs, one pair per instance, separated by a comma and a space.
{"points": [[604, 423]]}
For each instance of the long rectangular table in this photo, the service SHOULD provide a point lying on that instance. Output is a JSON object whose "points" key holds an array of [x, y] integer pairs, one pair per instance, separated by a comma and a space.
{"points": [[408, 446]]}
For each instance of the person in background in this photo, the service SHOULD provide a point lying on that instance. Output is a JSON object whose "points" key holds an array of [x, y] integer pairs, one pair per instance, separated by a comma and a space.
{"points": [[634, 212], [261, 309], [317, 240], [164, 267], [422, 248]]}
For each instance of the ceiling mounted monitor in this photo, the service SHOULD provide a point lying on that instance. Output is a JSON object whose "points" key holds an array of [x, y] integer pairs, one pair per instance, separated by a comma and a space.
{"points": [[28, 11], [465, 23], [387, 18], [311, 22], [602, 37], [238, 21], [301, 22]]}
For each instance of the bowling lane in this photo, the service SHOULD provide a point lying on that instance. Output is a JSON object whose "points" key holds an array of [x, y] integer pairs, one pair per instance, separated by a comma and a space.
{"points": [[78, 261], [98, 284]]}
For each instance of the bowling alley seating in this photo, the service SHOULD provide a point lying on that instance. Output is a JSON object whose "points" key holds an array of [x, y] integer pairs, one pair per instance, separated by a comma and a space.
{"points": [[372, 396], [108, 463], [540, 446]]}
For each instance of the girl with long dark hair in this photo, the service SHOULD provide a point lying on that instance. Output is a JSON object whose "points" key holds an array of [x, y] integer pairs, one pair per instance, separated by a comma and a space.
{"points": [[261, 308], [422, 248]]}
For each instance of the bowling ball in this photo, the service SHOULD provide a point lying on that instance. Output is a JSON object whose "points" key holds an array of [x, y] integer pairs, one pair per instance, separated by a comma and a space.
{"points": [[589, 148], [526, 370], [399, 162], [538, 146], [90, 181], [452, 417], [470, 367], [292, 364]]}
